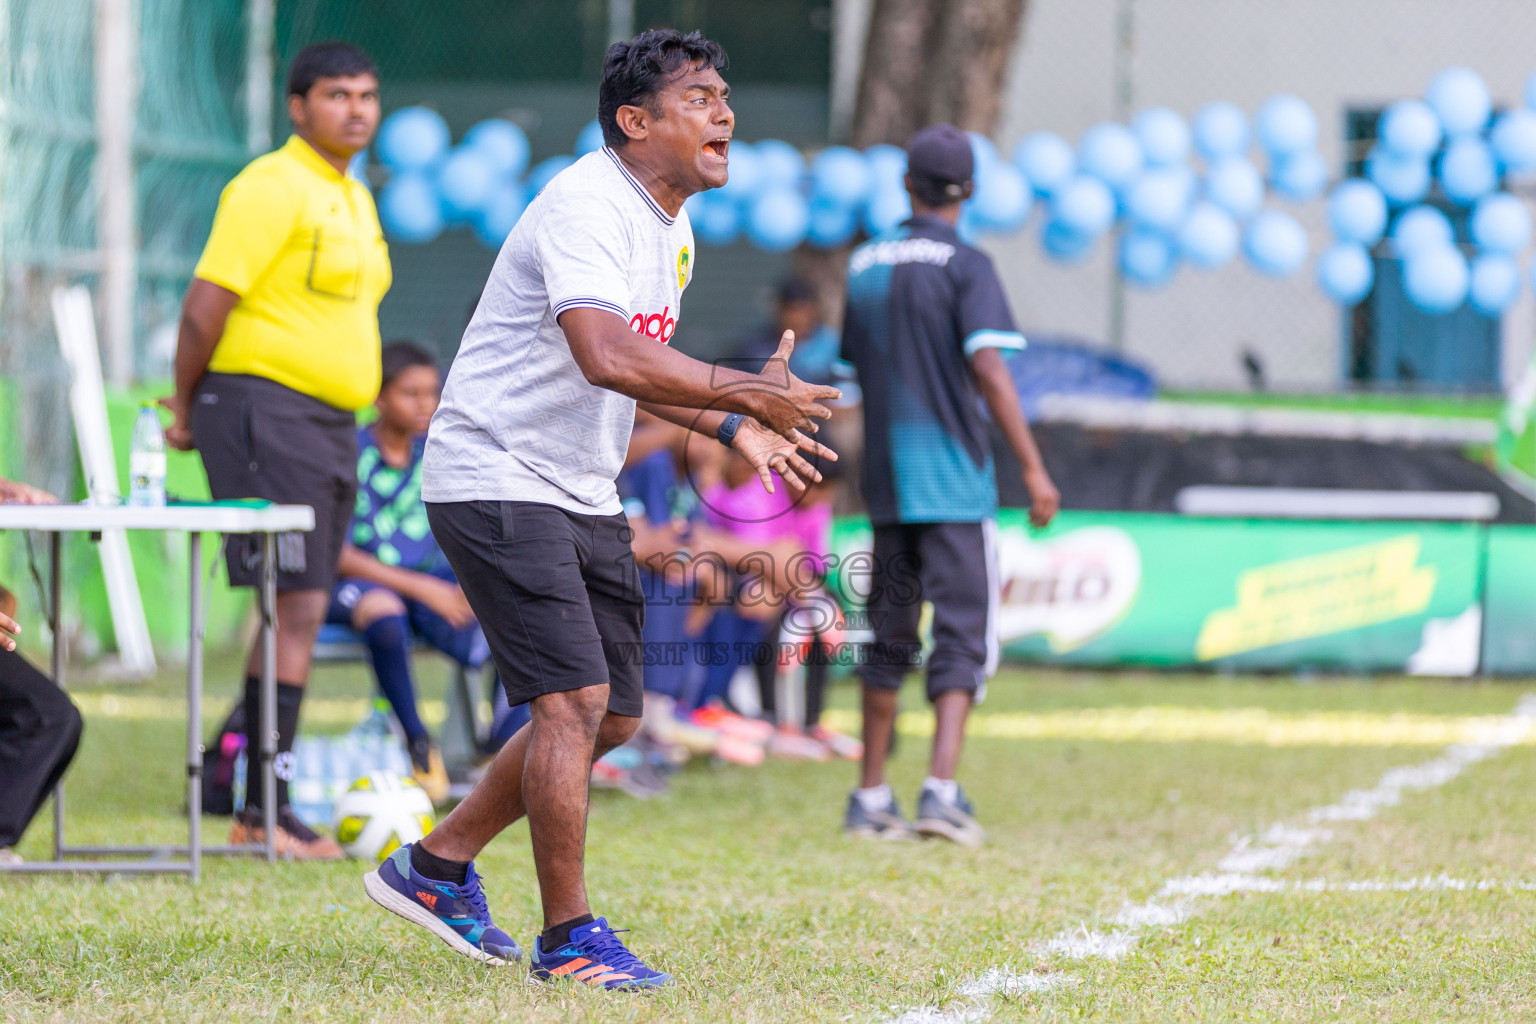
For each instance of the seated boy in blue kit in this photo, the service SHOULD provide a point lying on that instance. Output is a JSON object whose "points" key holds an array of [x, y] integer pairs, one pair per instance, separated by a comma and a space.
{"points": [[393, 582]]}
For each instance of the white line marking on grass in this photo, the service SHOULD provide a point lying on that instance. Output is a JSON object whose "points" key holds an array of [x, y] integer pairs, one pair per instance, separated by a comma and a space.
{"points": [[1274, 849]]}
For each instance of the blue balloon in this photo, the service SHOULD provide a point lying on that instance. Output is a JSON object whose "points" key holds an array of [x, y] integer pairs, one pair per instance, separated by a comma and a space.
{"points": [[743, 171], [1467, 171], [887, 166], [1163, 134], [1495, 282], [1403, 180], [1063, 244], [1421, 228], [544, 172], [1501, 224], [1275, 243], [887, 208], [832, 224], [1514, 139], [1209, 237], [1357, 212], [1146, 257], [840, 176], [591, 139], [1460, 98], [1002, 199], [466, 181], [779, 164], [716, 219], [1286, 126], [498, 217], [410, 209], [1236, 186], [983, 153], [1345, 272], [1160, 198], [1110, 152], [412, 138], [1085, 206], [1530, 91], [1436, 279], [1046, 160], [1409, 128], [1301, 176], [502, 143], [1221, 130]]}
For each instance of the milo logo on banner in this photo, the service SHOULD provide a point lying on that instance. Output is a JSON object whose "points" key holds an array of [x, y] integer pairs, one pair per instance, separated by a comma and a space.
{"points": [[1071, 588]]}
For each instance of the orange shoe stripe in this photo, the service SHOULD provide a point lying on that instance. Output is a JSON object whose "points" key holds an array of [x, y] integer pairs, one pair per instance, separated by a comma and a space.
{"points": [[607, 977], [574, 965], [596, 969]]}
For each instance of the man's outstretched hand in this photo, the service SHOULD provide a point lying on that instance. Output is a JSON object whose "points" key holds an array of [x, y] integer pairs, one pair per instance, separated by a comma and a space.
{"points": [[787, 405], [770, 453], [1044, 498]]}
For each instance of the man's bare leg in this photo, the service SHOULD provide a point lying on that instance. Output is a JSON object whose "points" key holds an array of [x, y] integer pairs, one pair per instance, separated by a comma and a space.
{"points": [[879, 719], [951, 709]]}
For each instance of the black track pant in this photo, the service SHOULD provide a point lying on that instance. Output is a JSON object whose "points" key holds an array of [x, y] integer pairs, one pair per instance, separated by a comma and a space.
{"points": [[39, 731]]}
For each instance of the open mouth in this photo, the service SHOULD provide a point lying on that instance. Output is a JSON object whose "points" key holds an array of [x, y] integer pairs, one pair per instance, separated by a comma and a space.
{"points": [[719, 147]]}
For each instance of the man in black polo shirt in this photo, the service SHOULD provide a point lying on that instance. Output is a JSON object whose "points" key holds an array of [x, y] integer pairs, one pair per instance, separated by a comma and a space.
{"points": [[926, 320]]}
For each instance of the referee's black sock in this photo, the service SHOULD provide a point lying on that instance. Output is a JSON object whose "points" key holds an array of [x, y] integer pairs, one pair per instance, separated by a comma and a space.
{"points": [[558, 935], [289, 699], [439, 869]]}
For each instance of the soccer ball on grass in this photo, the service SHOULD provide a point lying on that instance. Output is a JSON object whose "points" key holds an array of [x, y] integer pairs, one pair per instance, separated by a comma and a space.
{"points": [[380, 813]]}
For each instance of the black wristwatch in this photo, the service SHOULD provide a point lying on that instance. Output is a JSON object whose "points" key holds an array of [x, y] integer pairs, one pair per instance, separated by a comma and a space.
{"points": [[728, 428]]}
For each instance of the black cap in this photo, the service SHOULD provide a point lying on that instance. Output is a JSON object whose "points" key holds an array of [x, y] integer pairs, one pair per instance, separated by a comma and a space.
{"points": [[941, 154]]}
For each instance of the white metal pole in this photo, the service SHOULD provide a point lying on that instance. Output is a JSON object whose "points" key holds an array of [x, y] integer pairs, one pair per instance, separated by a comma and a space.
{"points": [[258, 76], [117, 90]]}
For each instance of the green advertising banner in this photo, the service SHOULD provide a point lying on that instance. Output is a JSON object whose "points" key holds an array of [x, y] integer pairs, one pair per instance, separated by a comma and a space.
{"points": [[1124, 588], [1509, 634]]}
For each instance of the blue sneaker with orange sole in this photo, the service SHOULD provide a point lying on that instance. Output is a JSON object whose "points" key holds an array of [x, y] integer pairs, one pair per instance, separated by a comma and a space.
{"points": [[595, 956], [457, 914]]}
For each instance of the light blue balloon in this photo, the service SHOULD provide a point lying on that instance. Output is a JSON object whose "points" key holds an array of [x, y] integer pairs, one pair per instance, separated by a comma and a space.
{"points": [[1164, 136], [409, 208], [1084, 206], [887, 208], [1514, 139], [1421, 228], [1209, 237], [1236, 186], [1501, 224], [778, 219], [779, 164], [840, 176], [743, 171], [1286, 126], [1160, 198], [503, 144], [1300, 177], [1221, 130], [1146, 257], [1345, 273], [1110, 152], [1046, 160], [412, 139], [887, 166], [591, 138], [1403, 180], [1436, 280], [1494, 284], [1357, 212], [1063, 244], [1460, 98], [1002, 199], [1409, 128], [1467, 171], [1275, 243], [716, 218], [498, 217], [466, 181], [1530, 90], [545, 170], [983, 153], [832, 224]]}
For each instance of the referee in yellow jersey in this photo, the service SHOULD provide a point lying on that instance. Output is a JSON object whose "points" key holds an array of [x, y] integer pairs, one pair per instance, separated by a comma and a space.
{"points": [[278, 348]]}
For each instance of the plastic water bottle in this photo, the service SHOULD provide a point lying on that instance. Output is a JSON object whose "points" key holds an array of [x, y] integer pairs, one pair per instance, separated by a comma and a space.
{"points": [[146, 459]]}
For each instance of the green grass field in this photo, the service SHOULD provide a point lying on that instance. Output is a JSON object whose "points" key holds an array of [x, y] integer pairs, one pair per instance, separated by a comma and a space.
{"points": [[740, 882]]}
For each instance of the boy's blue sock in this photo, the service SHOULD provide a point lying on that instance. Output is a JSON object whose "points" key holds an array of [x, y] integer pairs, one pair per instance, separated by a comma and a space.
{"points": [[389, 644]]}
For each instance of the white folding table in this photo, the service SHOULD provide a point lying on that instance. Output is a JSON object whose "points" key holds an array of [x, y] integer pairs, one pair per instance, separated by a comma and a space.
{"points": [[262, 518]]}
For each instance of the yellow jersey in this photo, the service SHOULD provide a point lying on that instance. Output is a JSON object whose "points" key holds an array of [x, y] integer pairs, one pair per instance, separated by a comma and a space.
{"points": [[300, 243]]}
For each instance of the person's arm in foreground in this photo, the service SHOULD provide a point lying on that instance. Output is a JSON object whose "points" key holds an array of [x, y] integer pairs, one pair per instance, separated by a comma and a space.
{"points": [[997, 388], [203, 315], [15, 493], [445, 598]]}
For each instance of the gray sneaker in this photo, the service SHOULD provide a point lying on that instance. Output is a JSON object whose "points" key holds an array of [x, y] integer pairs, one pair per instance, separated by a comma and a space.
{"points": [[886, 823], [952, 821]]}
